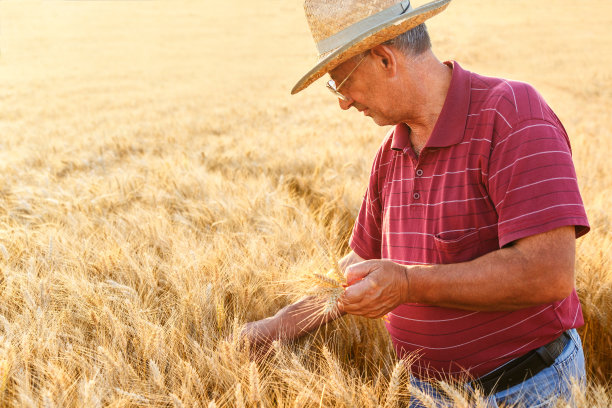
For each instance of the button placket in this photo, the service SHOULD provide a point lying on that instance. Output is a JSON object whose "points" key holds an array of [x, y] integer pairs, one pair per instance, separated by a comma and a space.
{"points": [[418, 173]]}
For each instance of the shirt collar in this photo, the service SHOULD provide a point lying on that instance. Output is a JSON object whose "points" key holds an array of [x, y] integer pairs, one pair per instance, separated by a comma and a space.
{"points": [[450, 126], [401, 137]]}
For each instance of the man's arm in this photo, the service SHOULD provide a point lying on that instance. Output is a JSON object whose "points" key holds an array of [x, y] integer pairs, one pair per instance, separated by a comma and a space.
{"points": [[296, 319], [535, 270]]}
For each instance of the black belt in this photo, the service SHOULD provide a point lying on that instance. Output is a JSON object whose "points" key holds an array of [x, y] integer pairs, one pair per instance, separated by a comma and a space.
{"points": [[522, 368]]}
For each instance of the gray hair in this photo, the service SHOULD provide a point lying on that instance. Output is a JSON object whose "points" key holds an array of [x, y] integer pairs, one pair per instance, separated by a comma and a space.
{"points": [[413, 42]]}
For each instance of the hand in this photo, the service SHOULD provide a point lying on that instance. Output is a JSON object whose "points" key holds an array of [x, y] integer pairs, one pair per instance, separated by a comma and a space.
{"points": [[375, 288], [348, 260], [260, 335]]}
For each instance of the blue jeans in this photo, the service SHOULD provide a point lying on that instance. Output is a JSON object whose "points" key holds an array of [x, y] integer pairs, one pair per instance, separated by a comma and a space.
{"points": [[541, 390]]}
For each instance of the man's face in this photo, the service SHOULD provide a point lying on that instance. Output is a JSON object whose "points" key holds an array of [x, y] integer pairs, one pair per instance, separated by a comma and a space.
{"points": [[363, 89]]}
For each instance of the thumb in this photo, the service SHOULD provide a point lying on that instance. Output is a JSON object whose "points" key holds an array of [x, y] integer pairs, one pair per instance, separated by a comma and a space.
{"points": [[358, 271]]}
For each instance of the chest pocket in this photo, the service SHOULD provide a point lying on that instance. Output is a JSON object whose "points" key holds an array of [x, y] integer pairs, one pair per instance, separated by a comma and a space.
{"points": [[455, 247]]}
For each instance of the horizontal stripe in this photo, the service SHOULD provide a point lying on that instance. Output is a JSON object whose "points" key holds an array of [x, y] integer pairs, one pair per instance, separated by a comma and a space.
{"points": [[539, 211], [477, 350], [439, 233], [537, 196], [434, 175], [434, 190], [542, 170], [433, 321], [439, 203], [536, 183], [436, 333], [526, 157], [525, 347], [525, 128], [421, 346], [509, 175], [442, 217]]}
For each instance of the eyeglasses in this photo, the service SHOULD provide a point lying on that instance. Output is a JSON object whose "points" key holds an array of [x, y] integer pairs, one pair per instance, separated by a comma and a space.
{"points": [[331, 84]]}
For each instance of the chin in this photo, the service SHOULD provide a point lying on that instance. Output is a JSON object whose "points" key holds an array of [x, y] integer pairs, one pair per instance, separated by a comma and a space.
{"points": [[382, 121]]}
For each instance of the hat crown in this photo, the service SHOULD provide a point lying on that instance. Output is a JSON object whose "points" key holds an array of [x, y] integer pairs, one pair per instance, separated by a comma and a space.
{"points": [[342, 29], [327, 18]]}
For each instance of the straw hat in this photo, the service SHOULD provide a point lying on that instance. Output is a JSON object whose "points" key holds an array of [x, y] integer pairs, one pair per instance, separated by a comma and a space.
{"points": [[344, 28]]}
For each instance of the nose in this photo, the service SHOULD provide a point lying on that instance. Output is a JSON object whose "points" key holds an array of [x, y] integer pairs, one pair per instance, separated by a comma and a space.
{"points": [[344, 105]]}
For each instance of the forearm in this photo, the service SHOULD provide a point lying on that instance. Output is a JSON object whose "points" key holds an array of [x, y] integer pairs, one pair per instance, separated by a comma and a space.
{"points": [[507, 279], [296, 319]]}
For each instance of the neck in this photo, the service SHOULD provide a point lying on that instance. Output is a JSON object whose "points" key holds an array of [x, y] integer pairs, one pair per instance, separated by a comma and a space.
{"points": [[428, 81]]}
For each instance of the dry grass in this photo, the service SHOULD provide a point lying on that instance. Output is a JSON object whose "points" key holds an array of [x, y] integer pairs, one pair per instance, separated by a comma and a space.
{"points": [[159, 181]]}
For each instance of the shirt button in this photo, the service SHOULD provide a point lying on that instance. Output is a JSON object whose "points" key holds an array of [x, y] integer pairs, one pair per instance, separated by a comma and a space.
{"points": [[419, 172], [416, 196]]}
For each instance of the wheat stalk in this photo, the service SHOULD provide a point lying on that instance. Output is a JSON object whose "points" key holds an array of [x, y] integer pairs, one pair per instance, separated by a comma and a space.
{"points": [[423, 397], [393, 390], [176, 401], [459, 400], [156, 374], [133, 396], [254, 384], [239, 397]]}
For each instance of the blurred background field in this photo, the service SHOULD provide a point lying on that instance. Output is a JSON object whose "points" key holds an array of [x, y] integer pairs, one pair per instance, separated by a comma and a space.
{"points": [[160, 187]]}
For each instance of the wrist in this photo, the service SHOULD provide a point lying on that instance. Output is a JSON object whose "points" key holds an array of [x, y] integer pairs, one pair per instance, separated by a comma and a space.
{"points": [[263, 331], [406, 287], [412, 280]]}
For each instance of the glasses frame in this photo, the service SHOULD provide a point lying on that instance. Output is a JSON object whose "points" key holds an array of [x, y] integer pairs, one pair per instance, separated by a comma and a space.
{"points": [[331, 84]]}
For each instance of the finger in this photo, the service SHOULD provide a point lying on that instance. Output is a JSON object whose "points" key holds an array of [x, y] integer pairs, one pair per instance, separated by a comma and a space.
{"points": [[364, 311], [355, 310], [356, 292], [348, 306], [342, 264], [358, 271], [375, 313]]}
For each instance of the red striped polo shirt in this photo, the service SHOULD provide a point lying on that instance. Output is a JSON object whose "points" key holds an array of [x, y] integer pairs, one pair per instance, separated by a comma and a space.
{"points": [[496, 168]]}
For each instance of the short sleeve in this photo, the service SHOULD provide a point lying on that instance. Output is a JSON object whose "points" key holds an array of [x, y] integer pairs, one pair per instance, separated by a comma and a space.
{"points": [[532, 182], [366, 239]]}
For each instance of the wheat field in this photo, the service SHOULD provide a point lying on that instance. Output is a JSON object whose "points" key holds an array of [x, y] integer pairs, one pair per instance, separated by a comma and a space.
{"points": [[160, 188]]}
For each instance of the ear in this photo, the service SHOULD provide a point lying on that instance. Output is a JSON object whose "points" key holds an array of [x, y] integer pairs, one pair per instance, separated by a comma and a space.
{"points": [[385, 58]]}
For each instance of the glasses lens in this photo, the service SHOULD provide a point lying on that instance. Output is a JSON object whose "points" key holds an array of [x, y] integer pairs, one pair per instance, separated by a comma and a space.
{"points": [[331, 85]]}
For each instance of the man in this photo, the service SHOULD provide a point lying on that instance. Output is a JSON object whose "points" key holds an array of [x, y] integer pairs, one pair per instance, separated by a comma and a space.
{"points": [[465, 241]]}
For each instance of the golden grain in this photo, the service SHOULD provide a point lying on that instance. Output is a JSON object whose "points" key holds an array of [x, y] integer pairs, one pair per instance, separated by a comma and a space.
{"points": [[393, 390], [239, 396], [254, 384], [161, 187]]}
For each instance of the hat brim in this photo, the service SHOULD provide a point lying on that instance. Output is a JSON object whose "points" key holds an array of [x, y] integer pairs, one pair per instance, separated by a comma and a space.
{"points": [[369, 39]]}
